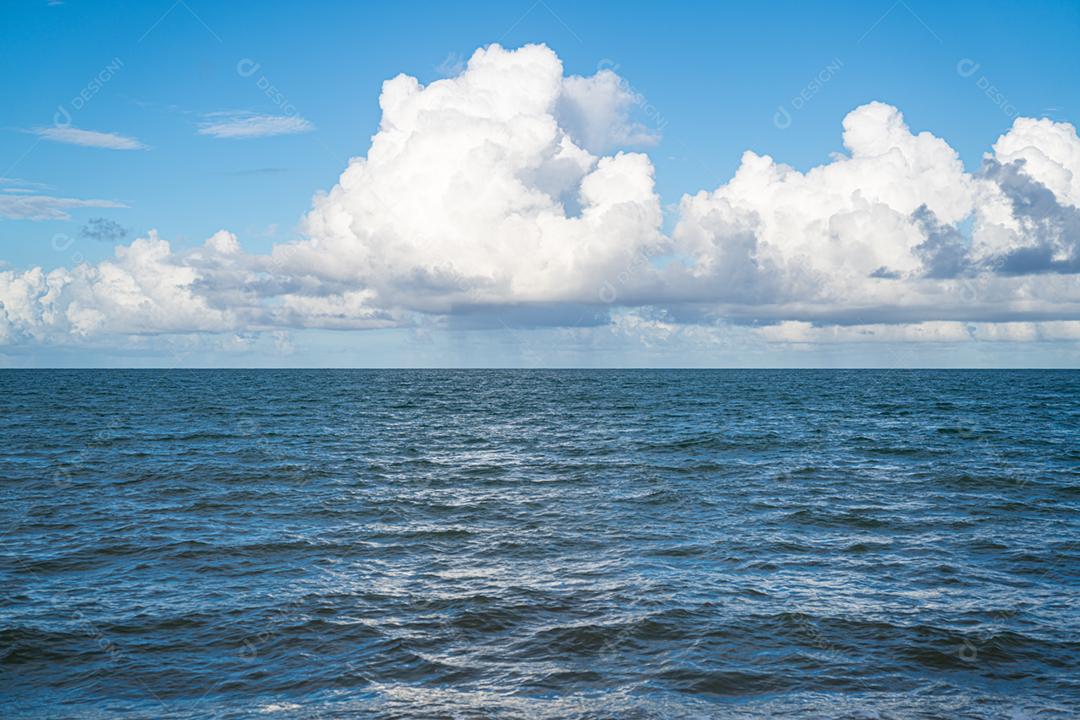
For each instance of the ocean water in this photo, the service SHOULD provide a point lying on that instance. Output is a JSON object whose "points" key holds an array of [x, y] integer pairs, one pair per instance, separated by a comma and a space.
{"points": [[534, 544]]}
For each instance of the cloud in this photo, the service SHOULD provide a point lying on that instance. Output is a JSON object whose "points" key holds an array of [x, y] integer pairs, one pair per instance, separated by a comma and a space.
{"points": [[795, 332], [776, 234], [149, 289], [243, 126], [145, 289], [1044, 232], [103, 230], [46, 207], [472, 193], [88, 138], [511, 191], [1050, 153], [11, 184], [258, 171], [944, 251], [596, 112], [895, 230]]}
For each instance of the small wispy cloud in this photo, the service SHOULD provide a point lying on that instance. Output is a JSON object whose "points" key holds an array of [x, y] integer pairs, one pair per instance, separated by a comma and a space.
{"points": [[243, 126], [256, 171], [47, 207], [103, 230], [18, 185], [88, 138]]}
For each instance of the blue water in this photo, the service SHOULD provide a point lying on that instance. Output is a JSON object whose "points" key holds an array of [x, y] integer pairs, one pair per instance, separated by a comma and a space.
{"points": [[595, 544]]}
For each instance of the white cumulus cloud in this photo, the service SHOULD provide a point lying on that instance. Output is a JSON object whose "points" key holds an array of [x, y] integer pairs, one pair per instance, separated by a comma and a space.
{"points": [[145, 289], [515, 190], [473, 193]]}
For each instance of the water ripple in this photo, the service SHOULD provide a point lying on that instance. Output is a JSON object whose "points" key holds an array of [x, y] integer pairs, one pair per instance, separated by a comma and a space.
{"points": [[530, 544]]}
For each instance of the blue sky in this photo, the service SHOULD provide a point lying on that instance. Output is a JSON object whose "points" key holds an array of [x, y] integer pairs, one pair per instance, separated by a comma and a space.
{"points": [[711, 78]]}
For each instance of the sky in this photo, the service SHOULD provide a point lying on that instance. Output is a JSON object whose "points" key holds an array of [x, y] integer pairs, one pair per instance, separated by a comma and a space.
{"points": [[540, 183]]}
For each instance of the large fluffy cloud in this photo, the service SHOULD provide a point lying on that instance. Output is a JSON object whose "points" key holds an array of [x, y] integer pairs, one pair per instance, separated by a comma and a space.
{"points": [[842, 221], [512, 186], [878, 233], [476, 190]]}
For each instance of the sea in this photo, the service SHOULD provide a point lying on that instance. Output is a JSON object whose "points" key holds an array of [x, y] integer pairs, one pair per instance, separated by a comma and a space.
{"points": [[539, 544]]}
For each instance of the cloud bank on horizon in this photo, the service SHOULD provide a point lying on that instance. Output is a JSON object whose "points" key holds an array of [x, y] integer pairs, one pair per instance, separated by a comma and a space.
{"points": [[511, 185]]}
